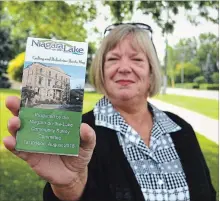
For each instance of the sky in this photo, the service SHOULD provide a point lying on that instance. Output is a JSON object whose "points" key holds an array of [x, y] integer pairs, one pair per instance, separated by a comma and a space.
{"points": [[182, 29], [77, 73]]}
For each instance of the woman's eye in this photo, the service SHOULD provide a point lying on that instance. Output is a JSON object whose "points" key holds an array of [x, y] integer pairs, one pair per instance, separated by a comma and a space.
{"points": [[137, 59], [112, 59]]}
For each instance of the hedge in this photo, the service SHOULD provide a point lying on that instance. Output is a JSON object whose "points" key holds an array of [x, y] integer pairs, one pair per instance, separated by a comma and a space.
{"points": [[198, 86], [209, 86], [187, 85]]}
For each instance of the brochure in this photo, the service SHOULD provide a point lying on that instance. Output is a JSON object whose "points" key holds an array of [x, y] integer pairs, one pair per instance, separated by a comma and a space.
{"points": [[52, 96]]}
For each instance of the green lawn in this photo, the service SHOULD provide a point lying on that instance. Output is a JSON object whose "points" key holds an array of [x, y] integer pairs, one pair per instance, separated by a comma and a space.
{"points": [[19, 183], [211, 154], [203, 106]]}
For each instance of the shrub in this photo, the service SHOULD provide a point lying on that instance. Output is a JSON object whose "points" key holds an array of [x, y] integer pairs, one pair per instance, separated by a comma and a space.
{"points": [[4, 81], [199, 80], [187, 85], [47, 101], [197, 86], [15, 67], [209, 86], [215, 78]]}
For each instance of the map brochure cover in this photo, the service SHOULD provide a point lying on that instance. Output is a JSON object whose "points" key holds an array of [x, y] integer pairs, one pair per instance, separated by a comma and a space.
{"points": [[52, 96]]}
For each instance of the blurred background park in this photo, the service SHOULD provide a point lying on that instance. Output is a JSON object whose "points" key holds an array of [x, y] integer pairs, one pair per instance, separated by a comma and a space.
{"points": [[185, 34]]}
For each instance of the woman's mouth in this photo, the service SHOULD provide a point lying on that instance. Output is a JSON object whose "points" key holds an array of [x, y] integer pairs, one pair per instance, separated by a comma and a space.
{"points": [[124, 82]]}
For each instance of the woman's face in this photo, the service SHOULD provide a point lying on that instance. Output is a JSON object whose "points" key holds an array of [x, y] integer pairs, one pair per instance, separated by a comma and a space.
{"points": [[126, 72]]}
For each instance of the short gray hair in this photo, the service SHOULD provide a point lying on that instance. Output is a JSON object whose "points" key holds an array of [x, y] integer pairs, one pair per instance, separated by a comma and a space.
{"points": [[141, 39]]}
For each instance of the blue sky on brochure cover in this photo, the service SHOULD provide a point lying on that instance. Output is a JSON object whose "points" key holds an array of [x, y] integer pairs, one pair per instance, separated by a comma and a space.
{"points": [[77, 73]]}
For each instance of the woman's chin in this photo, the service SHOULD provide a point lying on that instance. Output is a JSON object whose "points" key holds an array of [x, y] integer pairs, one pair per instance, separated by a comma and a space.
{"points": [[125, 95]]}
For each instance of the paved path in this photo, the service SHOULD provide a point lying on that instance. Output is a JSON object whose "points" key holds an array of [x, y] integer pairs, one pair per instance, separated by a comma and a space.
{"points": [[212, 94], [200, 123]]}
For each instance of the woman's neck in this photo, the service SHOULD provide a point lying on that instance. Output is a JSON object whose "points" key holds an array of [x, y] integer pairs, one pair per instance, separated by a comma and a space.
{"points": [[134, 112], [137, 115]]}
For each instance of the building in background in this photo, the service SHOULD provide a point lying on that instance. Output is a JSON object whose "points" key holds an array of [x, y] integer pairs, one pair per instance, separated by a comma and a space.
{"points": [[49, 83]]}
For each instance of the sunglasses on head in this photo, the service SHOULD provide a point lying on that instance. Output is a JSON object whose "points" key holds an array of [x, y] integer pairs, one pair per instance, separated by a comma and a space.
{"points": [[139, 25]]}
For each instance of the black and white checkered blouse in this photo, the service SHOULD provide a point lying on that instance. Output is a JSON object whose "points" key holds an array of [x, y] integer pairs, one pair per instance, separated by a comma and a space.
{"points": [[157, 168]]}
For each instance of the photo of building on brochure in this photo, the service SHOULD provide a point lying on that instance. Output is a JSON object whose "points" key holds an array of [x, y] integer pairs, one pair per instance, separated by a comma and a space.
{"points": [[53, 86]]}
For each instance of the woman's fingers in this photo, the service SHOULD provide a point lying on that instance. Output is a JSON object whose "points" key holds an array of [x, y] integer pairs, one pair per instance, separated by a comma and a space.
{"points": [[9, 143], [13, 104], [88, 137], [13, 125]]}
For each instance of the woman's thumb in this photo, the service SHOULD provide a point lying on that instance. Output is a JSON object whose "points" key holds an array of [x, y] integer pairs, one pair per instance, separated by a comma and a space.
{"points": [[88, 137]]}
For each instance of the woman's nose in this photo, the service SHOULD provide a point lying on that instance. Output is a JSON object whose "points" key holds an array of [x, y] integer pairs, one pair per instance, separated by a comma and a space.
{"points": [[124, 66]]}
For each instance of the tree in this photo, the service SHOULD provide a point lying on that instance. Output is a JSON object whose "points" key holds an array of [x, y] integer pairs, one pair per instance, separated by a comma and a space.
{"points": [[199, 80], [204, 9], [201, 52], [123, 10], [171, 65], [190, 72], [91, 52], [41, 19], [208, 55], [27, 96], [46, 19], [183, 51], [215, 78], [66, 94], [186, 50], [6, 52]]}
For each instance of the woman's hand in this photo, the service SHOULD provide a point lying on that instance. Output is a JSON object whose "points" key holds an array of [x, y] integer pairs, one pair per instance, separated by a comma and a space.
{"points": [[66, 174]]}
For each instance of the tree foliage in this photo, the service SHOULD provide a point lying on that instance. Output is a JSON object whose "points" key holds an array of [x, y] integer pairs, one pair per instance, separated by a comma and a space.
{"points": [[183, 51], [208, 54], [44, 19], [199, 80], [91, 52], [204, 9], [215, 78], [156, 8], [186, 50], [123, 10], [47, 19], [171, 64], [6, 51], [202, 52], [6, 48], [27, 96], [190, 72]]}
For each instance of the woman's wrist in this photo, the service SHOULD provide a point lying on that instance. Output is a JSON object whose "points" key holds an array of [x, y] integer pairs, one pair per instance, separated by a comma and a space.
{"points": [[72, 191]]}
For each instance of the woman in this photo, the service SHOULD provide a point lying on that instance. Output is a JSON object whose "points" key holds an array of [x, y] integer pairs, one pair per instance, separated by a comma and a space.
{"points": [[129, 150]]}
